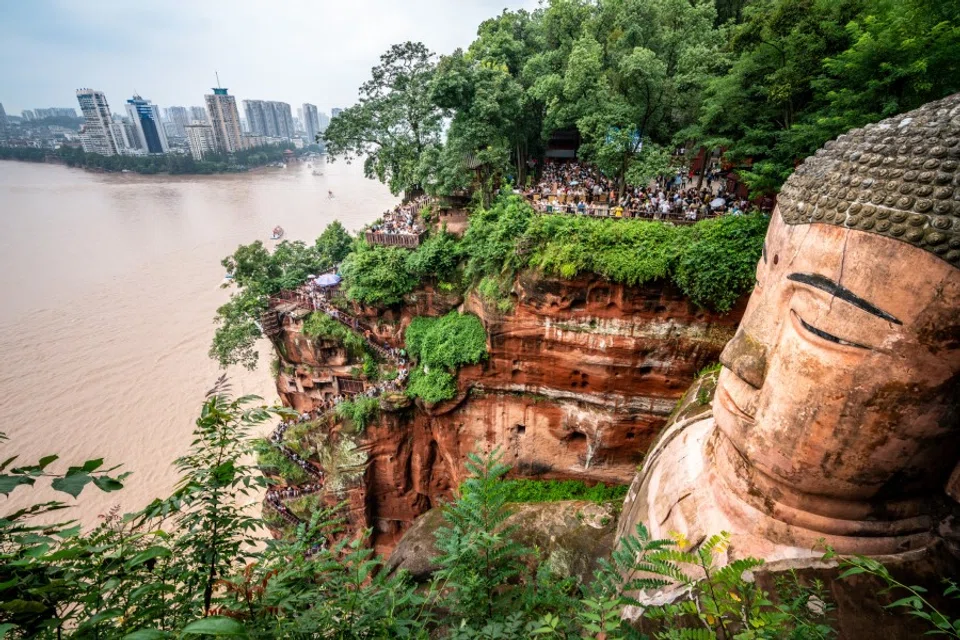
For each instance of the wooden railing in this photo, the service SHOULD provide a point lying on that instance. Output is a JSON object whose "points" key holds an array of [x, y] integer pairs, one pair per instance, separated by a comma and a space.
{"points": [[408, 240]]}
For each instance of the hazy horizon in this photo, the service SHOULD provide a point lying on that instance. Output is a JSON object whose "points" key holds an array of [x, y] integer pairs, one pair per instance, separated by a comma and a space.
{"points": [[294, 51]]}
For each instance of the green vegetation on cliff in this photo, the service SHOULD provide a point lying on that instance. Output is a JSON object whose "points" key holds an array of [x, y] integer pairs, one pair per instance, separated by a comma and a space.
{"points": [[361, 411], [259, 273], [712, 261], [526, 490], [193, 564], [320, 325], [440, 346]]}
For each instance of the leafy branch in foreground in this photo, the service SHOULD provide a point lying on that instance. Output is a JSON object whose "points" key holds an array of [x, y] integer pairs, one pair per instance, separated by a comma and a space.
{"points": [[214, 530], [34, 593], [914, 603]]}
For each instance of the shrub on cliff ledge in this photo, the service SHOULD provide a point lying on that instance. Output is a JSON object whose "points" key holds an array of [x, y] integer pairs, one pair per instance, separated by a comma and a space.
{"points": [[320, 325], [440, 346], [712, 262], [377, 276]]}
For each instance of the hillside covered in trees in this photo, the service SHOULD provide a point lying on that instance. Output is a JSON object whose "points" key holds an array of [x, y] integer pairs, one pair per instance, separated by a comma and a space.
{"points": [[767, 81]]}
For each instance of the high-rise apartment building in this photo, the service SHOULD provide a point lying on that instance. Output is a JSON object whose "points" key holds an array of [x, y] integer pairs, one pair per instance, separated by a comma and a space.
{"points": [[335, 112], [27, 115], [145, 118], [125, 134], [268, 118], [96, 135], [324, 121], [179, 118], [3, 120], [225, 120], [198, 114], [256, 119], [200, 139], [283, 119], [311, 121]]}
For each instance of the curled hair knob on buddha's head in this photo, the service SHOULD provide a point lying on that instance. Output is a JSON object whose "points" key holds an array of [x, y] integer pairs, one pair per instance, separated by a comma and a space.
{"points": [[897, 178]]}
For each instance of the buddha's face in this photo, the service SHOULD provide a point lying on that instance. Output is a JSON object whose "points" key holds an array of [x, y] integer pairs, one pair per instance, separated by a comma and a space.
{"points": [[844, 377]]}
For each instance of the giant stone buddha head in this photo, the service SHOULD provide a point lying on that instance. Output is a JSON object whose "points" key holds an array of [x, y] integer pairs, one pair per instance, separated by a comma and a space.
{"points": [[839, 402]]}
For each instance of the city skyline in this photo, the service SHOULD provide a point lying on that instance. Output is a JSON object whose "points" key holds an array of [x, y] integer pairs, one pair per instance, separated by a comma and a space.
{"points": [[327, 48]]}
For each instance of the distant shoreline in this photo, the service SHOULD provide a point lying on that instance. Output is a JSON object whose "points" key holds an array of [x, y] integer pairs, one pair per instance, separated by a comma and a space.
{"points": [[160, 174], [257, 159]]}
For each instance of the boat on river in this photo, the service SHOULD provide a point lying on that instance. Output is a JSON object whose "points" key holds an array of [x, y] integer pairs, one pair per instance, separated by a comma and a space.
{"points": [[277, 233]]}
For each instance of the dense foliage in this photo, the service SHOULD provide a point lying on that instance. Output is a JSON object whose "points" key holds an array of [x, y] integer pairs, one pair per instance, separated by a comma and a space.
{"points": [[360, 411], [149, 164], [377, 275], [525, 490], [769, 81], [321, 325], [440, 346], [194, 564], [712, 262], [259, 273]]}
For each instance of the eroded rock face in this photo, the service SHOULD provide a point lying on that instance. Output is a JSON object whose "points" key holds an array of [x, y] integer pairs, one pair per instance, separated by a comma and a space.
{"points": [[581, 376]]}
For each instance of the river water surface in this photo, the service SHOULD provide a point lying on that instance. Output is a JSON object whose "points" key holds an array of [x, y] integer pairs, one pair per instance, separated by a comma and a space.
{"points": [[109, 285]]}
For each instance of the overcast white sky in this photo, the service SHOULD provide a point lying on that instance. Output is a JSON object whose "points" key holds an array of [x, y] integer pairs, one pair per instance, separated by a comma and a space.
{"points": [[296, 51]]}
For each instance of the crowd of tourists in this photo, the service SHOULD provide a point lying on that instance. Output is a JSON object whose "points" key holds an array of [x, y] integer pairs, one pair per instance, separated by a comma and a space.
{"points": [[318, 299], [291, 493], [575, 188], [403, 219]]}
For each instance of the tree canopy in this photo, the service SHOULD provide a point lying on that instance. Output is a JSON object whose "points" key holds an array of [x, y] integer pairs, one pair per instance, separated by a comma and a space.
{"points": [[768, 81], [395, 120]]}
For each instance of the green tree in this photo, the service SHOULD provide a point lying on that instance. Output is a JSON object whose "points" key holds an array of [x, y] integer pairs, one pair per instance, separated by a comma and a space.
{"points": [[377, 275], [259, 273], [334, 243], [214, 531], [394, 122], [477, 554]]}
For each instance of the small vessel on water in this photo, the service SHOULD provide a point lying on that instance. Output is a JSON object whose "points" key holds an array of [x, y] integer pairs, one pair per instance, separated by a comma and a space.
{"points": [[277, 233], [317, 173]]}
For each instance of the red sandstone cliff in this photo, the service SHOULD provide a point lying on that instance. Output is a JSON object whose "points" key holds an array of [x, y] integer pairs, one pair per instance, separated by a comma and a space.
{"points": [[580, 378]]}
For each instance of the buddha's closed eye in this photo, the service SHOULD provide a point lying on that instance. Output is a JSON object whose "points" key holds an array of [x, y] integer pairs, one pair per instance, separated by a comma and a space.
{"points": [[820, 333]]}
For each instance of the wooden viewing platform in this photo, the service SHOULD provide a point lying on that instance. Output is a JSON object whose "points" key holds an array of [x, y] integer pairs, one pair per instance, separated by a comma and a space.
{"points": [[408, 240]]}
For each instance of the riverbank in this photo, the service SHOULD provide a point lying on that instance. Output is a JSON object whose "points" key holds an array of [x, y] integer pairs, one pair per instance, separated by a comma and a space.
{"points": [[169, 164]]}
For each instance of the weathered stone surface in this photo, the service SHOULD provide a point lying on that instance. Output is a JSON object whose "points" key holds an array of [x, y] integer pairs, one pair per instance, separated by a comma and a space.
{"points": [[836, 418], [571, 536], [581, 376], [897, 178]]}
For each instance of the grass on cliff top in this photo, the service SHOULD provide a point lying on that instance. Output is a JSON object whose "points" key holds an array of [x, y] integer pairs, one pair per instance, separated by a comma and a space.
{"points": [[524, 490], [440, 346], [712, 262]]}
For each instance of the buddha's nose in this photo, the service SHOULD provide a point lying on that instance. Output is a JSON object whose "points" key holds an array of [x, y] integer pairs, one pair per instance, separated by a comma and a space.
{"points": [[747, 358]]}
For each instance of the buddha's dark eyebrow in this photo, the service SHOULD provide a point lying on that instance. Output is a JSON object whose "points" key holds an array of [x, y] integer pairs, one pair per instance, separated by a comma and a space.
{"points": [[835, 289]]}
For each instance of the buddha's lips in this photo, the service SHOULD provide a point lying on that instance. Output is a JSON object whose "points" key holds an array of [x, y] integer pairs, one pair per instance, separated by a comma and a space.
{"points": [[725, 399]]}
